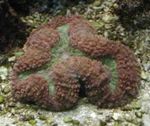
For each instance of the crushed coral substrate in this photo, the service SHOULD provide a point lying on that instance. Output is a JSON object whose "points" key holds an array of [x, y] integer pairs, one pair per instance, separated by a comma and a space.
{"points": [[65, 59]]}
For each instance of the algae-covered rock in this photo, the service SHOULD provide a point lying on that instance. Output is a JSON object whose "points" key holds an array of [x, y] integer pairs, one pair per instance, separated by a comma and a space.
{"points": [[1, 99]]}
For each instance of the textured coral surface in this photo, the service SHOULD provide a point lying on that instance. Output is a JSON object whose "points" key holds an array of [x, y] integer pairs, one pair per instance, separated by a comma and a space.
{"points": [[57, 81]]}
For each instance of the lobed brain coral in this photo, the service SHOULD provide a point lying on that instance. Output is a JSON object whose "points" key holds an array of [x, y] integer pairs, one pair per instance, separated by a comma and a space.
{"points": [[65, 59]]}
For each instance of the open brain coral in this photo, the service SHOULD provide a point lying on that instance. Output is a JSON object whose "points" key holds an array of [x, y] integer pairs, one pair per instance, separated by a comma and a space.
{"points": [[61, 63]]}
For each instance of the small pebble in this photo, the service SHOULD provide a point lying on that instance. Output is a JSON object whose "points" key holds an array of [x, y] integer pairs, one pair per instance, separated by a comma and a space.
{"points": [[6, 90], [1, 99], [67, 119], [116, 116], [42, 117], [3, 73], [32, 122], [139, 114]]}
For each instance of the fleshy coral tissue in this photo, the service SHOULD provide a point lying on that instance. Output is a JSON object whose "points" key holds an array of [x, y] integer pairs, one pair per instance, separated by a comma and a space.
{"points": [[65, 59]]}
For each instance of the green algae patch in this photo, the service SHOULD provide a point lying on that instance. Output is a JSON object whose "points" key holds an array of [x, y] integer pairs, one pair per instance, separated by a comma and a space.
{"points": [[112, 67]]}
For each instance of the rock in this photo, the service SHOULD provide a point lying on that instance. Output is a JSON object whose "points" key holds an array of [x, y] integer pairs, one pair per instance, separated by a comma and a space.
{"points": [[3, 73], [97, 2], [146, 120], [26, 117], [11, 59], [6, 121], [1, 99], [42, 117], [67, 119], [107, 18], [117, 116], [139, 114], [128, 117], [117, 124], [32, 122], [147, 66], [102, 123], [3, 59], [50, 120], [72, 121], [6, 90], [145, 75], [134, 105], [11, 104], [131, 118]]}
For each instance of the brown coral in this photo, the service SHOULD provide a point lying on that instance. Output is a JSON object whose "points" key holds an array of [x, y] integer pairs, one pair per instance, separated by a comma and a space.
{"points": [[58, 88]]}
